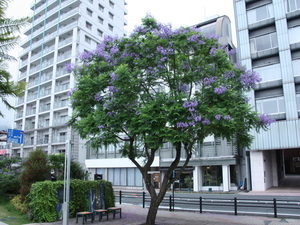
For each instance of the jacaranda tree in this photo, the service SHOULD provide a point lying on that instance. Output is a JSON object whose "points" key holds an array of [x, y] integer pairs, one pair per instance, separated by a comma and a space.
{"points": [[162, 85]]}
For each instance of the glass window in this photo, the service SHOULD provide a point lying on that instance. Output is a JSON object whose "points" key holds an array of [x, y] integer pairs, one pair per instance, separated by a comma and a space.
{"points": [[298, 101], [260, 13], [212, 175], [89, 12], [268, 73], [100, 20], [111, 4], [101, 8], [294, 36], [88, 25], [271, 105], [293, 5], [88, 39], [110, 27], [264, 42], [111, 16], [100, 33], [296, 67]]}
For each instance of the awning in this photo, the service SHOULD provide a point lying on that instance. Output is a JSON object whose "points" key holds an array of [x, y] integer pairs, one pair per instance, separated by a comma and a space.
{"points": [[3, 152]]}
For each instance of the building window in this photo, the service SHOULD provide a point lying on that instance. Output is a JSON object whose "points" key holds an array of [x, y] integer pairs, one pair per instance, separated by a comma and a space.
{"points": [[294, 36], [111, 4], [101, 8], [270, 101], [100, 33], [88, 39], [89, 12], [293, 5], [110, 27], [264, 42], [88, 25], [269, 73], [296, 67], [111, 16], [260, 13], [100, 20], [91, 1]]}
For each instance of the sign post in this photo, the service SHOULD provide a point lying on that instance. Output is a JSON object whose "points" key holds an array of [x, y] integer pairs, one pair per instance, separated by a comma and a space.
{"points": [[15, 136], [67, 183]]}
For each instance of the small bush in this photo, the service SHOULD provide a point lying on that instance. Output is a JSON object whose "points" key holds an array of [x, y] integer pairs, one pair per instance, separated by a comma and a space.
{"points": [[18, 204]]}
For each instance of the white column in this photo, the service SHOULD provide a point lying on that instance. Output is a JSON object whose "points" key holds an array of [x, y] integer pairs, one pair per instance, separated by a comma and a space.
{"points": [[226, 177], [196, 176]]}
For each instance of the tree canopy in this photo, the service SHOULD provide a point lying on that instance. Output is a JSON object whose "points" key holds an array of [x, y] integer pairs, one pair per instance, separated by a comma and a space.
{"points": [[162, 85], [9, 28]]}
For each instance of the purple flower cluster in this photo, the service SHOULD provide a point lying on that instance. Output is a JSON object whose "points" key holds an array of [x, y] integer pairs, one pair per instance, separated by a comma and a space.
{"points": [[98, 97], [249, 79], [229, 74], [227, 117], [69, 67], [229, 52], [86, 55], [209, 80], [183, 88], [167, 51], [220, 90], [190, 104], [113, 89], [182, 124], [213, 51], [101, 126], [218, 117], [71, 91], [265, 119], [193, 38], [206, 121]]}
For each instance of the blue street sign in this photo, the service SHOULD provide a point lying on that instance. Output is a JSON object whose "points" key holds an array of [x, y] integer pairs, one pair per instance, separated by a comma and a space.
{"points": [[15, 136]]}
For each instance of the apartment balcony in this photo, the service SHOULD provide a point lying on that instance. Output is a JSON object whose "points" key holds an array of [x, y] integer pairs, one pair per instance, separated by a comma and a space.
{"points": [[45, 92], [61, 73], [23, 74], [25, 50], [38, 55], [28, 141], [61, 104], [33, 83], [20, 100], [64, 56], [56, 139], [29, 126], [62, 88], [24, 62], [44, 108], [66, 41], [32, 97], [61, 121], [34, 69], [49, 49], [43, 124], [19, 115], [47, 63], [42, 141], [46, 77], [30, 112], [68, 27]]}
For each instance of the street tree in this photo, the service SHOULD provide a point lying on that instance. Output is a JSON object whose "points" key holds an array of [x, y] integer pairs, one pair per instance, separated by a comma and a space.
{"points": [[9, 38], [162, 85]]}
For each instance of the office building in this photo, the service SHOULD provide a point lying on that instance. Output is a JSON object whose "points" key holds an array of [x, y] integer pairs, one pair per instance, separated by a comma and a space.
{"points": [[269, 43]]}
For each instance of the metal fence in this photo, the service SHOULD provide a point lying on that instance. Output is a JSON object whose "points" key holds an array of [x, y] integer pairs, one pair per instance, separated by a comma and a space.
{"points": [[267, 207]]}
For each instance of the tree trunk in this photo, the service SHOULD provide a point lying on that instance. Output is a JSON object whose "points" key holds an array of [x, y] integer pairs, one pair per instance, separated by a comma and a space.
{"points": [[151, 216]]}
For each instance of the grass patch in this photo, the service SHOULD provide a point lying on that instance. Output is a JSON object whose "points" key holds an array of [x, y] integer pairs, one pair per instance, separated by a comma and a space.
{"points": [[8, 213]]}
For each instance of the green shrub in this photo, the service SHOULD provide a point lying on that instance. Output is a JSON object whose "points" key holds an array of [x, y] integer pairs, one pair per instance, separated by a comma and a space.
{"points": [[18, 204], [43, 198]]}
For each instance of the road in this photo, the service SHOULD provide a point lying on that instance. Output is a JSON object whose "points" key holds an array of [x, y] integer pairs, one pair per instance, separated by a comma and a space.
{"points": [[286, 206]]}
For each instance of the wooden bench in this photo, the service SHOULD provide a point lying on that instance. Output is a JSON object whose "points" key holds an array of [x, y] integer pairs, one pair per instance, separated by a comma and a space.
{"points": [[100, 211], [115, 210], [84, 215]]}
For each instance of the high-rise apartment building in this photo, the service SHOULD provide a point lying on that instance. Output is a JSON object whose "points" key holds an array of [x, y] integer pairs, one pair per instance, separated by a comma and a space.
{"points": [[269, 43], [60, 30]]}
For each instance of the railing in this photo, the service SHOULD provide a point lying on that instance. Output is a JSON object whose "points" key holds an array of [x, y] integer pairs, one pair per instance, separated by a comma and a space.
{"points": [[267, 207]]}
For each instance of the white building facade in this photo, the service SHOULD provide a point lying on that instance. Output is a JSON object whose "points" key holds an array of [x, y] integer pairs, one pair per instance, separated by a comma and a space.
{"points": [[60, 30], [269, 43]]}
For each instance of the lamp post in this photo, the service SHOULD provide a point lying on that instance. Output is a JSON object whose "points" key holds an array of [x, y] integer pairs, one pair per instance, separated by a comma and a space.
{"points": [[67, 183]]}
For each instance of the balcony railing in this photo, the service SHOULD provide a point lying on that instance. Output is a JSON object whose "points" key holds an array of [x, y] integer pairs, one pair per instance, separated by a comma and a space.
{"points": [[33, 83], [35, 56], [62, 87], [30, 112], [61, 72], [20, 100], [46, 77], [66, 41], [44, 108], [59, 139], [64, 56], [29, 126], [32, 97], [42, 141], [60, 121], [43, 124], [61, 104], [45, 92]]}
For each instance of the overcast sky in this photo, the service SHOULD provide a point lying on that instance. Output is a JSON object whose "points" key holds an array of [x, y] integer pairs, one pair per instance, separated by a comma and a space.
{"points": [[177, 12]]}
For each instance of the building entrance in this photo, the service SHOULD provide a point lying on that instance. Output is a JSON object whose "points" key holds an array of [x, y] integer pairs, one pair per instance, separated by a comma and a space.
{"points": [[292, 161]]}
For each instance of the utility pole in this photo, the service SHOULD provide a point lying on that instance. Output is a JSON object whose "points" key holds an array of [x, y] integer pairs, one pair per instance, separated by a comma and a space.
{"points": [[67, 183]]}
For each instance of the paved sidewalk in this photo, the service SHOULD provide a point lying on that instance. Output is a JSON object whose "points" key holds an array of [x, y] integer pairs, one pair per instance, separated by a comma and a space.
{"points": [[136, 215]]}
